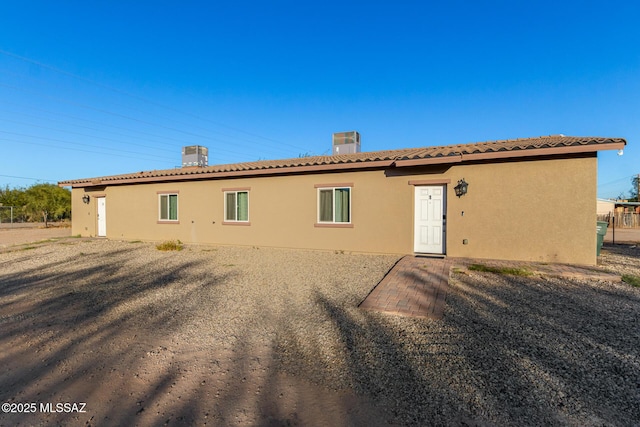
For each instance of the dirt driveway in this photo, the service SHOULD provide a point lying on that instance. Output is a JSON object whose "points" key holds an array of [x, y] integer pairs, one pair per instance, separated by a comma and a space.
{"points": [[21, 235], [229, 336], [628, 235]]}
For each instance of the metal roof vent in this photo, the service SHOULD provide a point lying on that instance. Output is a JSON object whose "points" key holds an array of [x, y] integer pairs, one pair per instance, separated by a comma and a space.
{"points": [[346, 142], [195, 155]]}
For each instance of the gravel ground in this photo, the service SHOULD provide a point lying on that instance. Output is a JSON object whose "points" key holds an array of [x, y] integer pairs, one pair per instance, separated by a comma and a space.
{"points": [[269, 337]]}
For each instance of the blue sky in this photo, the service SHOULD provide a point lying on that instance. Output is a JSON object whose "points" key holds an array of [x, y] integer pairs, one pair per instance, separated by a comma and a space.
{"points": [[107, 87]]}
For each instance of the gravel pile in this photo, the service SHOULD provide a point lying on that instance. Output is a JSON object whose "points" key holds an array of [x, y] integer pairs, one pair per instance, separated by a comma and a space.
{"points": [[258, 336]]}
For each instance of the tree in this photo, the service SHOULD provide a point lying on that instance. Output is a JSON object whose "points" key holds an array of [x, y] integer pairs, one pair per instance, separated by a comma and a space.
{"points": [[49, 201], [634, 188], [13, 197]]}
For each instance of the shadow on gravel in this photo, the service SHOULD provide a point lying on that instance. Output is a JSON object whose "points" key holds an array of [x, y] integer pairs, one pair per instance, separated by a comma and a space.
{"points": [[509, 351], [386, 365], [69, 330], [548, 352], [105, 329]]}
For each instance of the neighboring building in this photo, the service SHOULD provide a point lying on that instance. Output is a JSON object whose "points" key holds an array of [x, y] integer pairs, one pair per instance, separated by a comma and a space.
{"points": [[627, 206], [530, 199], [605, 206], [627, 214]]}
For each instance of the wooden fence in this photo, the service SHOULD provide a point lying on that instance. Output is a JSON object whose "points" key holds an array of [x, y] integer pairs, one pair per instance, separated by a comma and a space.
{"points": [[622, 219]]}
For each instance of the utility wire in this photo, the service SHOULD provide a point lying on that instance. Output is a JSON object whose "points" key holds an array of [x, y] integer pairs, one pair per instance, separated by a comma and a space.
{"points": [[148, 101], [25, 177], [82, 144], [103, 111], [617, 180], [94, 122], [173, 150], [79, 150], [83, 134]]}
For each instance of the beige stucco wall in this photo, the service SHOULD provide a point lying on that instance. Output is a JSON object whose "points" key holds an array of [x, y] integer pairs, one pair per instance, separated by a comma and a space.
{"points": [[533, 211], [541, 210]]}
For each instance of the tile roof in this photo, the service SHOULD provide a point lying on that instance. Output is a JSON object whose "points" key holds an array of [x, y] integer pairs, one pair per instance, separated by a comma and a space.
{"points": [[539, 146]]}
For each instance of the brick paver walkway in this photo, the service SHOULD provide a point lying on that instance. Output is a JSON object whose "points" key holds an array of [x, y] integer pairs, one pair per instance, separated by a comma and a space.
{"points": [[417, 286], [414, 287]]}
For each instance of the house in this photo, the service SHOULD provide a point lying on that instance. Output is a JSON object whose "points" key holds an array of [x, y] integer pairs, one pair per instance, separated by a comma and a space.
{"points": [[619, 213], [531, 199], [605, 207], [626, 214]]}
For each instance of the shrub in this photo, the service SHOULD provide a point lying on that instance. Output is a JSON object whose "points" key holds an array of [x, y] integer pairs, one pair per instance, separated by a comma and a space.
{"points": [[170, 245], [631, 280], [500, 270]]}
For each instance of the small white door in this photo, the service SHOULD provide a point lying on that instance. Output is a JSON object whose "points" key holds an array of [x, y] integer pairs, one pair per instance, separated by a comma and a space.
{"points": [[429, 219], [102, 216]]}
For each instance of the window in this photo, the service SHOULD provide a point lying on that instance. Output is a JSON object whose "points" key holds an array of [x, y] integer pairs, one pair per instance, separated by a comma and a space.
{"points": [[236, 206], [334, 205], [168, 207]]}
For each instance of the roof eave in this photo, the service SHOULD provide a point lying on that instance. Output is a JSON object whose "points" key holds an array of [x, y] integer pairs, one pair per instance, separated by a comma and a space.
{"points": [[172, 176], [231, 174], [530, 152], [429, 161]]}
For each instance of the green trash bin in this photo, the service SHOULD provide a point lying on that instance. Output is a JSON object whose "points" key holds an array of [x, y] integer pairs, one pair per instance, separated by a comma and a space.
{"points": [[601, 230]]}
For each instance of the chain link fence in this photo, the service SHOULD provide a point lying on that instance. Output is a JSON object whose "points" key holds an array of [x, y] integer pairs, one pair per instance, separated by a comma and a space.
{"points": [[6, 214]]}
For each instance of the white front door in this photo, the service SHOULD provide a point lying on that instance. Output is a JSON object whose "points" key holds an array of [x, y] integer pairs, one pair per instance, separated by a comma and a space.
{"points": [[429, 219], [102, 216]]}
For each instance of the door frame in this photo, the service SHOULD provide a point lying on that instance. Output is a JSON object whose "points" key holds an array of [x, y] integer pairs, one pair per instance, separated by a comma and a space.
{"points": [[103, 218], [417, 187]]}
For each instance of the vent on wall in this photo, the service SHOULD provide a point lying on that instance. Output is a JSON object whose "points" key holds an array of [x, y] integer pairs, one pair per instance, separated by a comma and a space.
{"points": [[346, 142], [195, 155]]}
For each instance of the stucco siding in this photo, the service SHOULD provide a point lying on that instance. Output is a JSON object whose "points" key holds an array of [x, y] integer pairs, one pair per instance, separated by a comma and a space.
{"points": [[533, 211], [542, 210]]}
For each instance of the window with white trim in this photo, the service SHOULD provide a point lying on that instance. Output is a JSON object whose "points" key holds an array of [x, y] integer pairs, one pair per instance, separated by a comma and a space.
{"points": [[168, 209], [334, 205], [236, 206]]}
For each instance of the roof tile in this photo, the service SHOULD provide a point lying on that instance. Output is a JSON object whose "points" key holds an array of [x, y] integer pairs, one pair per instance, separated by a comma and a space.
{"points": [[363, 159]]}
